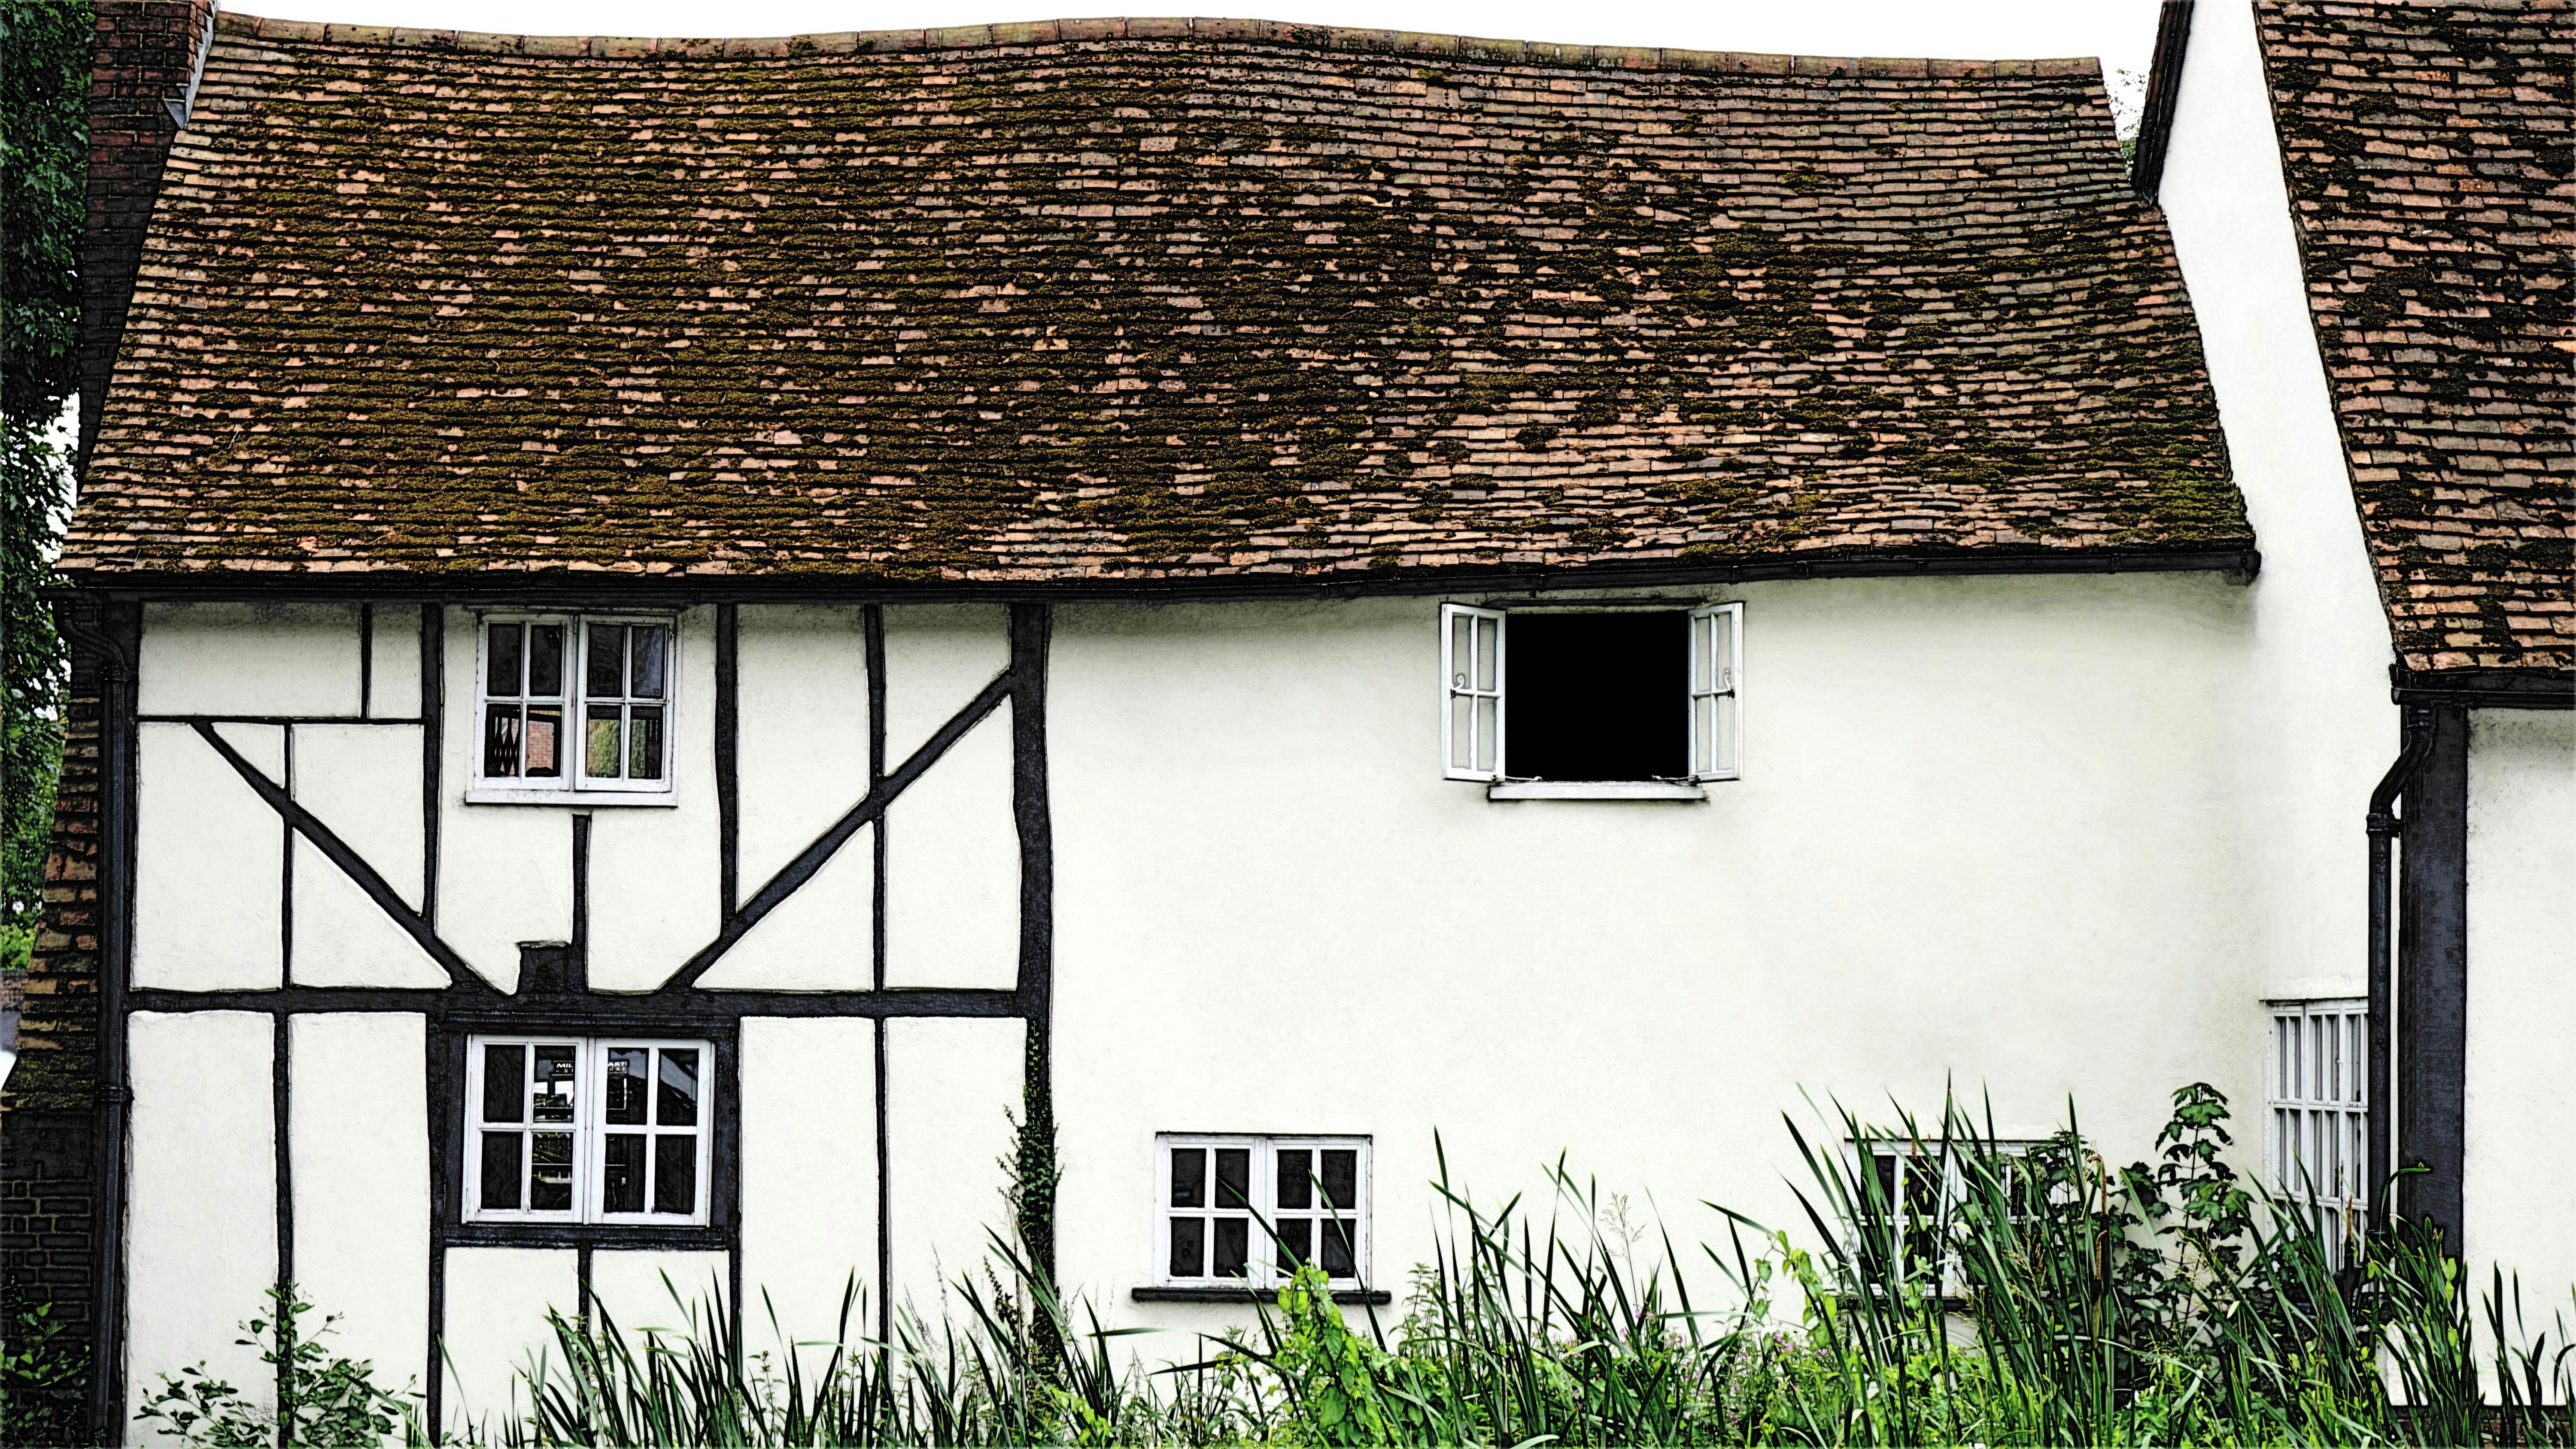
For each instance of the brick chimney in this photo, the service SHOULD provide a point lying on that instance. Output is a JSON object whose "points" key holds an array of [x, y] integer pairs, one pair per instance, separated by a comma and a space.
{"points": [[144, 66]]}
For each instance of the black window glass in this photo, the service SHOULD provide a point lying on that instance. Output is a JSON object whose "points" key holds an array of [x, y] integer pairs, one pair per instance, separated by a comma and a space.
{"points": [[505, 660], [1189, 1177], [505, 1082], [500, 1170], [1233, 1245], [621, 1177], [607, 656], [545, 660], [1337, 1256], [1295, 1238], [1341, 1178], [675, 1173], [1189, 1247], [1296, 1178], [645, 682], [679, 1093], [626, 1085], [1597, 696], [1233, 1177]]}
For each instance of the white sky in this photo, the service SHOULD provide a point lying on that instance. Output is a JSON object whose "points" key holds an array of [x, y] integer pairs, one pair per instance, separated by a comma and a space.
{"points": [[2120, 32]]}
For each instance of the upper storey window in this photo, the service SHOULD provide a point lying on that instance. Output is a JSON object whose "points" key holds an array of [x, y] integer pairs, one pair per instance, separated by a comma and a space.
{"points": [[574, 705], [1617, 703]]}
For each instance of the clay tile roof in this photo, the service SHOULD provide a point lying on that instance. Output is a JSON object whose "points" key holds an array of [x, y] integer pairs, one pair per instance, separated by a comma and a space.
{"points": [[2427, 148], [1095, 301]]}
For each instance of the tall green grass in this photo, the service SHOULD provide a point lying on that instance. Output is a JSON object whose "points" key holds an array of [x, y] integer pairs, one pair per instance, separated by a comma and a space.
{"points": [[2048, 1298]]}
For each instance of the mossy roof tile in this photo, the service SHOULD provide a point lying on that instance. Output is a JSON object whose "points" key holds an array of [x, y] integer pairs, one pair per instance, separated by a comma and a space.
{"points": [[1107, 301], [2428, 151]]}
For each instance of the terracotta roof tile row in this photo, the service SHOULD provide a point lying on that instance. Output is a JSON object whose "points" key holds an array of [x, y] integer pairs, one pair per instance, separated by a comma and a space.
{"points": [[1134, 301], [2428, 151]]}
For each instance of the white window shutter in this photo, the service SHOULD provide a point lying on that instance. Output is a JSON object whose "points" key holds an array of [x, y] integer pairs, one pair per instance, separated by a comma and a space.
{"points": [[1471, 693], [1716, 685]]}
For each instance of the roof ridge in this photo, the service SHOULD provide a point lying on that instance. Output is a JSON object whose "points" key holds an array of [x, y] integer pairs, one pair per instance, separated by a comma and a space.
{"points": [[1266, 32]]}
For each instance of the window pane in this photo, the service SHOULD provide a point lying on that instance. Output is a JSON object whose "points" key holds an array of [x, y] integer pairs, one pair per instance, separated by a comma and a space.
{"points": [[679, 1105], [545, 726], [1341, 1178], [644, 743], [503, 677], [602, 756], [1296, 1241], [621, 1174], [550, 1172], [500, 740], [1233, 1177], [606, 656], [1233, 1239], [505, 1083], [1189, 1248], [1339, 1260], [1488, 713], [651, 646], [1189, 1177], [628, 1071], [554, 1084], [1489, 653], [1702, 674], [1296, 1179], [675, 1173], [1462, 650], [1704, 734], [545, 661], [500, 1170]]}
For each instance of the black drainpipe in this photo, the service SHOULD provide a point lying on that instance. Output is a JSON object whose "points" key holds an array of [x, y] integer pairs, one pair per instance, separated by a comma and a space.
{"points": [[110, 633], [2385, 826]]}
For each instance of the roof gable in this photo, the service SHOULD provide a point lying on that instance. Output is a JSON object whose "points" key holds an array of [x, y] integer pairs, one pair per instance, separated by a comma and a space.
{"points": [[2427, 149], [1139, 300]]}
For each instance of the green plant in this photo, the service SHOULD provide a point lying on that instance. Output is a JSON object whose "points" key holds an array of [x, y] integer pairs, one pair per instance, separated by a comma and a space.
{"points": [[43, 1373], [322, 1400]]}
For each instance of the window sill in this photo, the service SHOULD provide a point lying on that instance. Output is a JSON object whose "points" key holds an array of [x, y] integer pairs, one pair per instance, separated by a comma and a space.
{"points": [[1594, 790], [580, 799], [574, 1235], [1373, 1297]]}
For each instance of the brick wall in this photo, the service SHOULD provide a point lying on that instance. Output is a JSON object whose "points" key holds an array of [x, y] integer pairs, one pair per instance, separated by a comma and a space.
{"points": [[144, 55]]}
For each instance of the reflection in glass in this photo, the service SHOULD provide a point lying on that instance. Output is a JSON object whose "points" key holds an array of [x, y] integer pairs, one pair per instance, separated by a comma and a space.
{"points": [[679, 1096], [554, 1084], [644, 743], [505, 1083], [646, 681], [550, 1172], [500, 740], [627, 1069], [675, 1173], [601, 755], [545, 726], [621, 1174]]}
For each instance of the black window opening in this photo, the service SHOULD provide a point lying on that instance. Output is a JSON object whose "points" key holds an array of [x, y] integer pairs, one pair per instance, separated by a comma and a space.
{"points": [[1598, 696]]}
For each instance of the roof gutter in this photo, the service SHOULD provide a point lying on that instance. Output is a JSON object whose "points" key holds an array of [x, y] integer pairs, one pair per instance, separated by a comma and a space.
{"points": [[2239, 564], [2164, 84], [2484, 688]]}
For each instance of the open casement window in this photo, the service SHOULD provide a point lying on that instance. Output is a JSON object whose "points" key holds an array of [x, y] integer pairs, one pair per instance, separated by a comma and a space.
{"points": [[574, 704], [1471, 715], [1243, 1212], [1612, 702], [587, 1130], [2320, 1104]]}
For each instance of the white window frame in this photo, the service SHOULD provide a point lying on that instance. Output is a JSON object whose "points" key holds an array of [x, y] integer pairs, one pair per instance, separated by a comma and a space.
{"points": [[1917, 1156], [590, 1131], [2318, 1095], [1261, 1268], [575, 785], [1712, 703]]}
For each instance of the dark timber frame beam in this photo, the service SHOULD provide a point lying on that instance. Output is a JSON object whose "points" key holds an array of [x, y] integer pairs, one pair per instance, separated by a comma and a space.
{"points": [[2433, 981]]}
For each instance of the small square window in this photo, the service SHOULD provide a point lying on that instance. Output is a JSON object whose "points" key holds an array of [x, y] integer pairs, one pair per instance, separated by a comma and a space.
{"points": [[587, 1130], [573, 704], [1246, 1211], [1592, 703]]}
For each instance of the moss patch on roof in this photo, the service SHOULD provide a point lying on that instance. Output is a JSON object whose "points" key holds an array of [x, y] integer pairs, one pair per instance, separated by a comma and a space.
{"points": [[1137, 300], [2427, 148]]}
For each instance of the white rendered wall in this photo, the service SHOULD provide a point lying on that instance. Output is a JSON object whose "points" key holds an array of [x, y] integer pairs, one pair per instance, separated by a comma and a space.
{"points": [[951, 1087], [809, 1174], [802, 753], [653, 873], [497, 1300], [660, 1290], [358, 1141], [210, 857], [201, 1204], [1987, 833], [363, 783], [2319, 728], [249, 659], [2521, 1180], [393, 653], [952, 862]]}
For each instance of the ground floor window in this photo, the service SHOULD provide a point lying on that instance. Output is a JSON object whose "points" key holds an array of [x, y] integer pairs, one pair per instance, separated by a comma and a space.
{"points": [[2320, 1103], [1910, 1200], [587, 1130], [1245, 1211]]}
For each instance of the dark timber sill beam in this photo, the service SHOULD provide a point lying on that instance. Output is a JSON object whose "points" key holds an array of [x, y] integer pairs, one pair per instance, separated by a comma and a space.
{"points": [[2239, 564], [678, 1006]]}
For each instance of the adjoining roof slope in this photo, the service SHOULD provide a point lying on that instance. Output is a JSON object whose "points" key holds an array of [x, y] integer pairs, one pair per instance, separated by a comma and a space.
{"points": [[1141, 300], [2427, 148]]}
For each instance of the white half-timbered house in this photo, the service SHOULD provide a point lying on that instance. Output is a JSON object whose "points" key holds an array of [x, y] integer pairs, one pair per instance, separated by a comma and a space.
{"points": [[685, 650]]}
